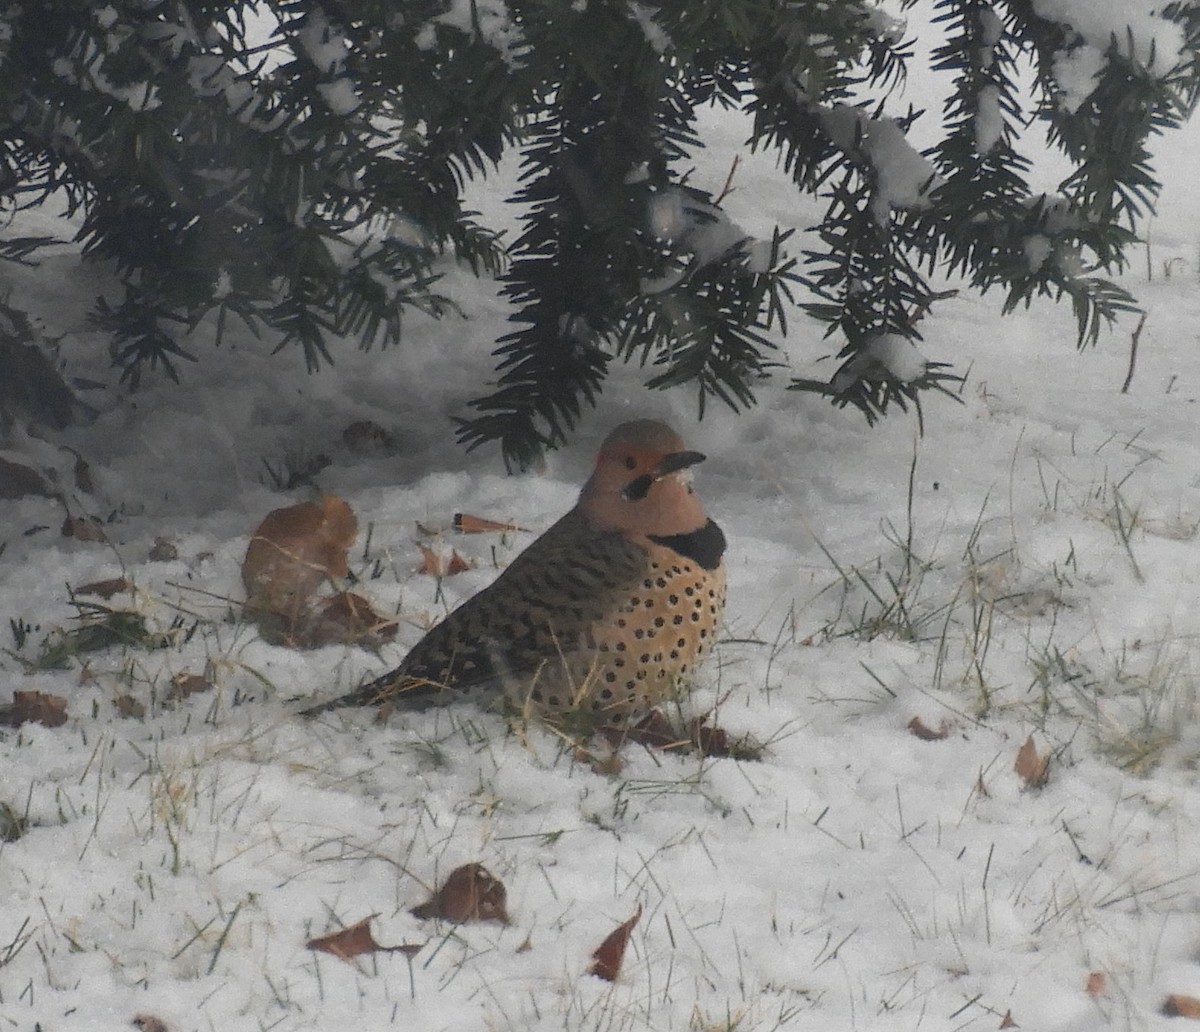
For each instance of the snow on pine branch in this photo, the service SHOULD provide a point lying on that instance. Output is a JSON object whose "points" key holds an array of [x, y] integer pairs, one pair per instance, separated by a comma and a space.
{"points": [[1137, 32], [903, 176]]}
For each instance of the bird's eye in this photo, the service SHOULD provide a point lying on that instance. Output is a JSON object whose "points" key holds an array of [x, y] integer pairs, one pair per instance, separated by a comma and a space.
{"points": [[630, 462]]}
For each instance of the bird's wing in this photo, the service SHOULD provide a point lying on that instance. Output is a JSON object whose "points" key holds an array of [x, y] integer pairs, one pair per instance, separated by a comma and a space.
{"points": [[543, 605]]}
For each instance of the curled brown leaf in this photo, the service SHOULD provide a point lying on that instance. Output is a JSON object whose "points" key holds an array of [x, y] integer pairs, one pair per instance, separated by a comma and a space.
{"points": [[470, 893], [606, 961]]}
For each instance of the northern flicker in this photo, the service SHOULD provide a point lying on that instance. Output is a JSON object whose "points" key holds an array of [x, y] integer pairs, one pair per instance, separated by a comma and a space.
{"points": [[605, 615]]}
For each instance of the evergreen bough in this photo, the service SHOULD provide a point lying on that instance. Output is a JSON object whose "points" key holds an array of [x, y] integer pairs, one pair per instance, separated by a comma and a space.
{"points": [[307, 176]]}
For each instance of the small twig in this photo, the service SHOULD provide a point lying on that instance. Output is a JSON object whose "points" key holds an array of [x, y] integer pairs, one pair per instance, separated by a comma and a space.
{"points": [[1133, 346], [727, 189]]}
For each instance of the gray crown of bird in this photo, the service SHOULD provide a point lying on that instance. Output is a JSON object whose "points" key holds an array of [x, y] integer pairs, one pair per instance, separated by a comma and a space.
{"points": [[605, 615]]}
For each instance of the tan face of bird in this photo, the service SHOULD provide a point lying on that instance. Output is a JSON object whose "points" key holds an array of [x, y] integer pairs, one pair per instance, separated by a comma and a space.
{"points": [[642, 483]]}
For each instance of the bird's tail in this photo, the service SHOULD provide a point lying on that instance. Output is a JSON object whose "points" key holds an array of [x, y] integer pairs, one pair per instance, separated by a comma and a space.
{"points": [[403, 691]]}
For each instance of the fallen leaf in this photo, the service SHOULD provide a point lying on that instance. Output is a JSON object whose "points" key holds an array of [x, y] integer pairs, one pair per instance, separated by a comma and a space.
{"points": [[1097, 984], [36, 708], [355, 940], [148, 1023], [184, 684], [606, 961], [348, 619], [919, 729], [1032, 768], [654, 729], [709, 739], [164, 550], [83, 528], [20, 481], [1179, 1006], [105, 588], [465, 523], [470, 893], [431, 562], [293, 552], [128, 707], [1007, 1021], [434, 565]]}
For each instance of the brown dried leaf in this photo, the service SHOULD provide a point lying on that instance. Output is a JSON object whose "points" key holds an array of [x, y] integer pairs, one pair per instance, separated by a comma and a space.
{"points": [[465, 523], [105, 588], [1032, 768], [355, 940], [83, 528], [294, 551], [127, 706], [435, 565], [148, 1023], [20, 481], [184, 684], [1179, 1006], [654, 729], [606, 961], [1097, 984], [164, 550], [709, 739], [36, 708], [918, 728], [431, 562], [470, 893], [1007, 1021], [348, 619], [349, 942]]}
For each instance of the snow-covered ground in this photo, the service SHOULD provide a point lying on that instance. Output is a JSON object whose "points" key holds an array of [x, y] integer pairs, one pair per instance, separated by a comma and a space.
{"points": [[1042, 577]]}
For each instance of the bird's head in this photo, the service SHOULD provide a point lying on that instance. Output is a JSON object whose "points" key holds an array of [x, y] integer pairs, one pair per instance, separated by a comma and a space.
{"points": [[642, 483]]}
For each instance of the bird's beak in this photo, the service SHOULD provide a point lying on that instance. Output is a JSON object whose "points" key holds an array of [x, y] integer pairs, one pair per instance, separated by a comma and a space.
{"points": [[636, 489], [676, 461]]}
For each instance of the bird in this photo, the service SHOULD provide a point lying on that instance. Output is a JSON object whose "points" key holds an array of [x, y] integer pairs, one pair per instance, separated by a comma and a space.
{"points": [[602, 618]]}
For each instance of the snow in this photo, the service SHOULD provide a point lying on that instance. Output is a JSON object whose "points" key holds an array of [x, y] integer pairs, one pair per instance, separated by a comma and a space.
{"points": [[659, 41], [904, 177], [890, 354], [339, 96], [1042, 579], [989, 119], [1136, 30], [699, 230], [489, 20]]}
